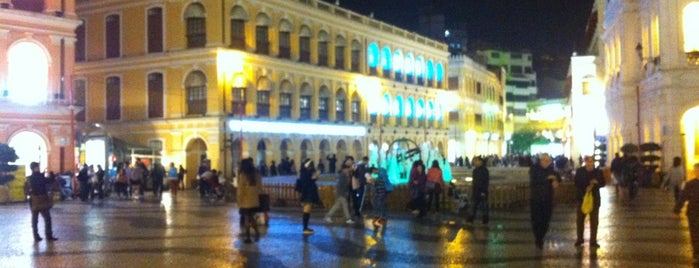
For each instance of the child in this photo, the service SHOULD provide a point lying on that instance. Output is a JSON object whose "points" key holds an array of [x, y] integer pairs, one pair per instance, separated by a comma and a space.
{"points": [[691, 194], [382, 186]]}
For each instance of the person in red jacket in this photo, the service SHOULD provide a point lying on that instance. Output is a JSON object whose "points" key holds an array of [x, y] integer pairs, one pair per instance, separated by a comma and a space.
{"points": [[434, 185]]}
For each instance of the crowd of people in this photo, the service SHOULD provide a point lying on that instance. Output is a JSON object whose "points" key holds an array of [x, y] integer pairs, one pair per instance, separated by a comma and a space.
{"points": [[353, 180]]}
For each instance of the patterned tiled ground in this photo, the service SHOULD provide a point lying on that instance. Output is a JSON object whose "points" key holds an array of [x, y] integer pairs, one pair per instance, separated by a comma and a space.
{"points": [[191, 233]]}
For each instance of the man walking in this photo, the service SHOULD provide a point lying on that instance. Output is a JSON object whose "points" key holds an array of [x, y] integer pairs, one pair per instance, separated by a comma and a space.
{"points": [[588, 179], [41, 203], [542, 180]]}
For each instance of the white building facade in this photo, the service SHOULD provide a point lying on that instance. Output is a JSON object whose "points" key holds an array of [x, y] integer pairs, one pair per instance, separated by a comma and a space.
{"points": [[647, 62]]}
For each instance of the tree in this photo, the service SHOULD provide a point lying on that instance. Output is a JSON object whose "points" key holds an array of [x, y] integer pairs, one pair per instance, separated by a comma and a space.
{"points": [[522, 141], [7, 155]]}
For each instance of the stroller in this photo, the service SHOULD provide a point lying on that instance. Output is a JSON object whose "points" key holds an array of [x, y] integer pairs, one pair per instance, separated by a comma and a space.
{"points": [[459, 198], [213, 190]]}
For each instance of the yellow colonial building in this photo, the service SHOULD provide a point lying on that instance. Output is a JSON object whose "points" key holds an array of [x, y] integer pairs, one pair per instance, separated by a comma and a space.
{"points": [[261, 78], [478, 122]]}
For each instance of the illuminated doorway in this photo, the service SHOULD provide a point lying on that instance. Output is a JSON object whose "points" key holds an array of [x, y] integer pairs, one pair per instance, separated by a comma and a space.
{"points": [[196, 152], [690, 130], [30, 147]]}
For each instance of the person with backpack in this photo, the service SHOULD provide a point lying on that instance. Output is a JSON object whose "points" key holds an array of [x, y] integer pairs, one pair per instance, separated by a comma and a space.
{"points": [[307, 187], [481, 183], [381, 186]]}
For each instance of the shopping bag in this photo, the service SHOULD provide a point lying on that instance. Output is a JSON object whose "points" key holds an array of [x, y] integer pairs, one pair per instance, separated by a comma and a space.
{"points": [[588, 203]]}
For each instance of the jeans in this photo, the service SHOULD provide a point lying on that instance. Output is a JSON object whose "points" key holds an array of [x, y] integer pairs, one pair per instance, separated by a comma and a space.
{"points": [[541, 211], [433, 197], [379, 204], [480, 201], [46, 214], [358, 200], [340, 202]]}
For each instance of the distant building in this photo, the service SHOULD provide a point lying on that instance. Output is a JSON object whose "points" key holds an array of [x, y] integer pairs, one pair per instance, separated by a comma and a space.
{"points": [[520, 84], [477, 125], [37, 41]]}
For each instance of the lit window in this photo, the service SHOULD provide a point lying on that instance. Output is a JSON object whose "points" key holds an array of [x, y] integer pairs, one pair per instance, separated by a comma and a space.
{"points": [[690, 18], [28, 71]]}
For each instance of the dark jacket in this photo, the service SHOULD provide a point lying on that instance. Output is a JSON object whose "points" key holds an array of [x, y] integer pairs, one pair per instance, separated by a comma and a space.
{"points": [[541, 187], [37, 184], [308, 187], [690, 194], [481, 180], [583, 178]]}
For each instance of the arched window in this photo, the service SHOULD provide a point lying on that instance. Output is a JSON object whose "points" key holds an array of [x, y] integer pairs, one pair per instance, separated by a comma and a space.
{"points": [[398, 64], [439, 76], [409, 67], [285, 29], [398, 108], [429, 112], [323, 103], [356, 55], [155, 30], [340, 105], [195, 85], [323, 40], [409, 110], [386, 61], [356, 107], [285, 97], [80, 45], [113, 98], [195, 17], [264, 88], [373, 58], [305, 102], [420, 70], [112, 27], [420, 112], [28, 73], [79, 96], [305, 44], [155, 95], [238, 18], [429, 72], [262, 34], [340, 45]]}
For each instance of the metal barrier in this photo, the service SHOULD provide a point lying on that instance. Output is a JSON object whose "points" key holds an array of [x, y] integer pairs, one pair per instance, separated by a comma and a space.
{"points": [[502, 195]]}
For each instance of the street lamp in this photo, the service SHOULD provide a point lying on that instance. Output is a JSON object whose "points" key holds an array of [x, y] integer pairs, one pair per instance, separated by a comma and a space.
{"points": [[230, 65]]}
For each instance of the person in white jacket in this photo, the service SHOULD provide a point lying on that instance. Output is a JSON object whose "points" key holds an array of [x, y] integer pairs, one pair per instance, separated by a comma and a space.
{"points": [[675, 178]]}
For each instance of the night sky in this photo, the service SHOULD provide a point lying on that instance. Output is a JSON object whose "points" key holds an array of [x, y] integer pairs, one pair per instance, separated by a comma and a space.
{"points": [[545, 27]]}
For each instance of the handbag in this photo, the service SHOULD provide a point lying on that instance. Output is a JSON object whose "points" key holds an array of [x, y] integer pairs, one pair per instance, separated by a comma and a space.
{"points": [[41, 202], [588, 203], [264, 202]]}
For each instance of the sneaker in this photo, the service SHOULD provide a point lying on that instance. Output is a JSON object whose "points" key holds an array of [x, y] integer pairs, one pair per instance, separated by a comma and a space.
{"points": [[308, 231], [594, 245], [328, 220], [350, 221], [578, 243]]}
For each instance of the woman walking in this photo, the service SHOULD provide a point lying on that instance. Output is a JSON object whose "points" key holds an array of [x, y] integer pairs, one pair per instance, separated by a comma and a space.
{"points": [[306, 185], [248, 196]]}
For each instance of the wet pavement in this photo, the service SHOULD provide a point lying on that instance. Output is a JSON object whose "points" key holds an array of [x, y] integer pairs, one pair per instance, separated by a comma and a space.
{"points": [[188, 232]]}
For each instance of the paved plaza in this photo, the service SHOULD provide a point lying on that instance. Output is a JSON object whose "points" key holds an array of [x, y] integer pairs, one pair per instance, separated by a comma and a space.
{"points": [[191, 233]]}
